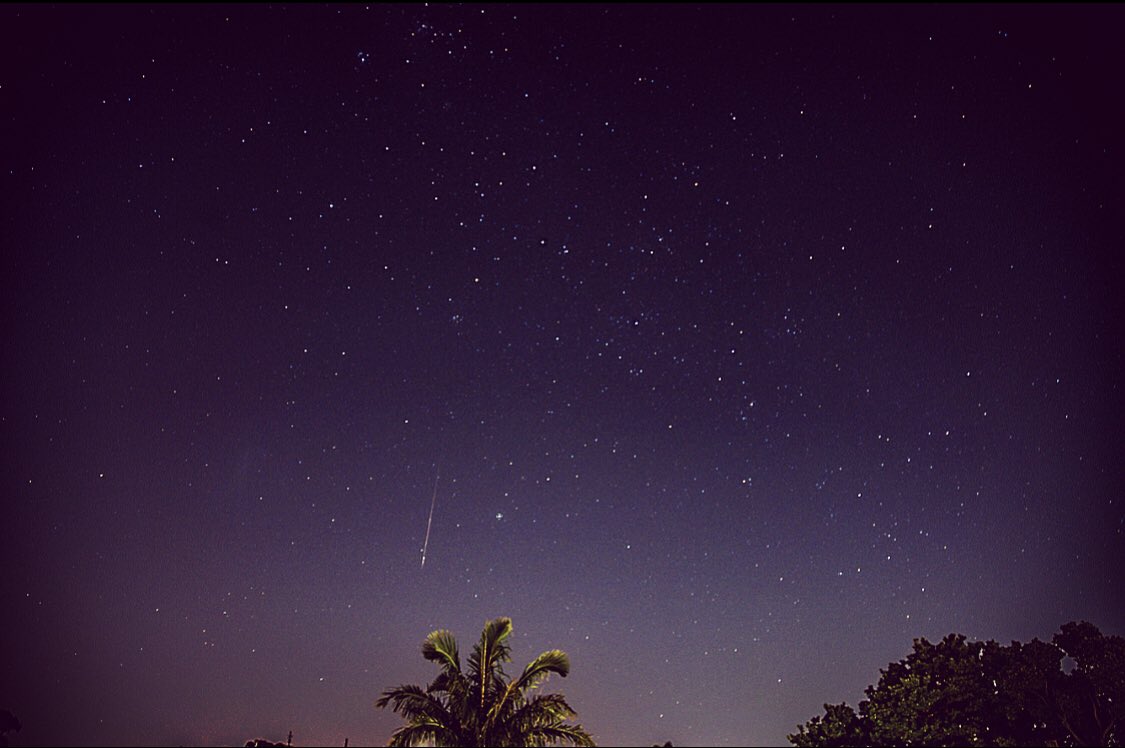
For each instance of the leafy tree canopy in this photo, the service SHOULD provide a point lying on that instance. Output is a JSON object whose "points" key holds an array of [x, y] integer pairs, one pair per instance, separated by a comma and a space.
{"points": [[958, 692], [8, 723]]}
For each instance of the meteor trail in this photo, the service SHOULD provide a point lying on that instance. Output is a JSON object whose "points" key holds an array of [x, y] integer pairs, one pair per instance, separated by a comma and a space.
{"points": [[429, 521]]}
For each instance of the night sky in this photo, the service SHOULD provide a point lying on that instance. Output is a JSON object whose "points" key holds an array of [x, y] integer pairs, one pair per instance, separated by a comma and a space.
{"points": [[744, 344]]}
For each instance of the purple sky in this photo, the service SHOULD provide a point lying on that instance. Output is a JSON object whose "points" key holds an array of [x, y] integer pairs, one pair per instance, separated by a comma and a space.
{"points": [[749, 342]]}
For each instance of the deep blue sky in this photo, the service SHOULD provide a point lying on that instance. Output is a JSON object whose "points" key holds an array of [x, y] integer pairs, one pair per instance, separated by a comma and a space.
{"points": [[749, 343]]}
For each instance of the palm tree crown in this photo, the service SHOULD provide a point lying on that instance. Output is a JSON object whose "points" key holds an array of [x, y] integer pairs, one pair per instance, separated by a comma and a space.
{"points": [[483, 706]]}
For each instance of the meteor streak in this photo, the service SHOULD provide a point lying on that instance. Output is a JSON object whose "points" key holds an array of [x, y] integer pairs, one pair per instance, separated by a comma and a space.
{"points": [[429, 521]]}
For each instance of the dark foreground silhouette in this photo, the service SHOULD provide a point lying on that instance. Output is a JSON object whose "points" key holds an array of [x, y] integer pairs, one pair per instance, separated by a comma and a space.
{"points": [[1068, 692], [483, 705]]}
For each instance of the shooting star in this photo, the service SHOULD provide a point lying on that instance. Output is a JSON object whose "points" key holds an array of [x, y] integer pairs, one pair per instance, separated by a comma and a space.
{"points": [[429, 521]]}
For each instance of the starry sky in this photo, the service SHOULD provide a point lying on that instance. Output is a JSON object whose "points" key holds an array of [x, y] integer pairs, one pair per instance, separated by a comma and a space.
{"points": [[743, 343]]}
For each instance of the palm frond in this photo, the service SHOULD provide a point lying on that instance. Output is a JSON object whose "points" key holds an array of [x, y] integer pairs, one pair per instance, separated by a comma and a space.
{"points": [[492, 647], [485, 664], [572, 734], [448, 682], [551, 661], [538, 670], [394, 694], [415, 705], [544, 709], [441, 647], [420, 734]]}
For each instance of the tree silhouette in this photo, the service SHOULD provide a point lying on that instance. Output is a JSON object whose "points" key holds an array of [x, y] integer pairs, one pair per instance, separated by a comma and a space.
{"points": [[483, 706], [1091, 700], [8, 723], [838, 727], [982, 693]]}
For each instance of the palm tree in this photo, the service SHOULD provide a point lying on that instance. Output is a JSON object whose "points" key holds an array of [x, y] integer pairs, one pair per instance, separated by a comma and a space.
{"points": [[484, 706]]}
